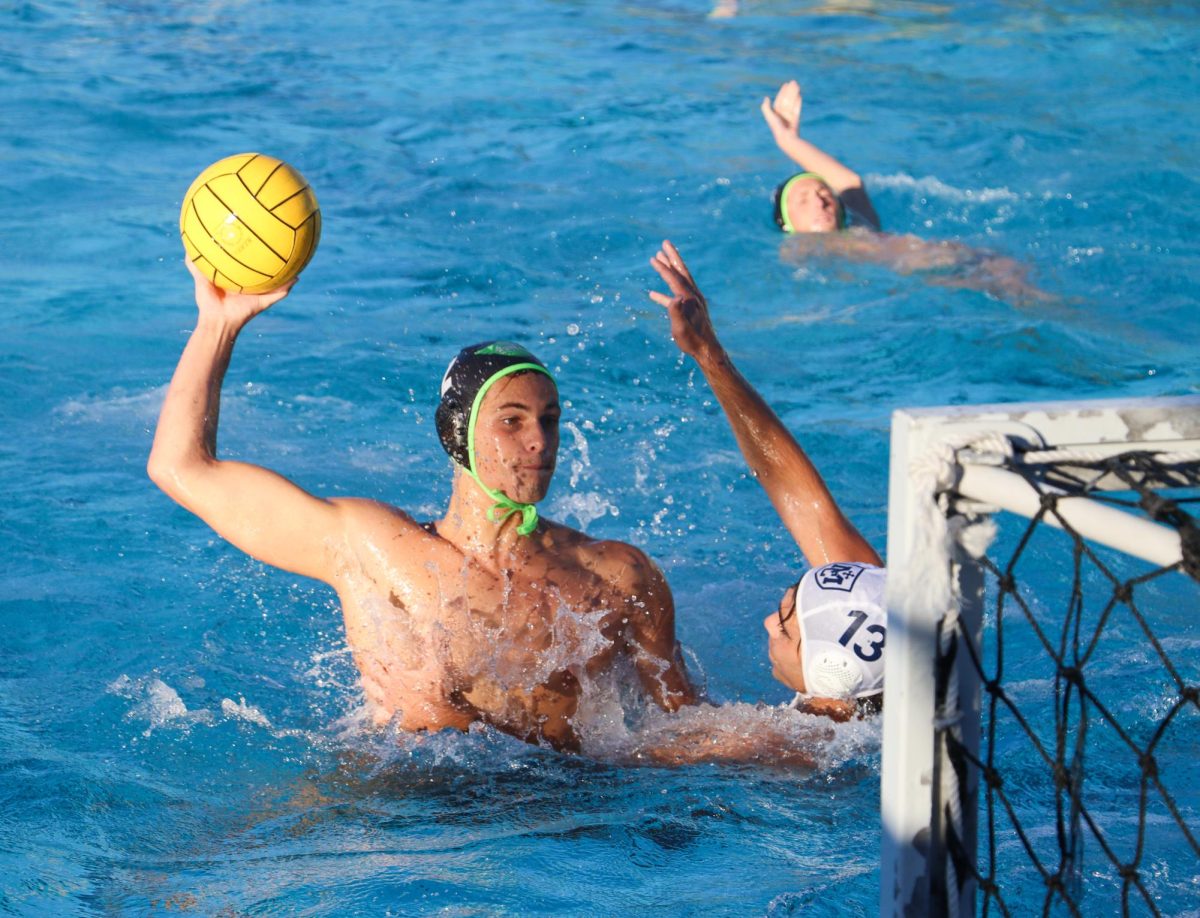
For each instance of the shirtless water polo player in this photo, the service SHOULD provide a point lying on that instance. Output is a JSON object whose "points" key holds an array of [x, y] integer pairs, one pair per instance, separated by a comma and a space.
{"points": [[490, 614]]}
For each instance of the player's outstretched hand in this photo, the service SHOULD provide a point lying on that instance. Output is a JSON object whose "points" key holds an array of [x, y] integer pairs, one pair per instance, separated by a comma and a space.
{"points": [[686, 307], [234, 308], [783, 115]]}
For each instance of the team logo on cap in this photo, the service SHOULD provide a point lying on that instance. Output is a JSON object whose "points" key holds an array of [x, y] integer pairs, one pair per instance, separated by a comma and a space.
{"points": [[837, 576], [504, 349]]}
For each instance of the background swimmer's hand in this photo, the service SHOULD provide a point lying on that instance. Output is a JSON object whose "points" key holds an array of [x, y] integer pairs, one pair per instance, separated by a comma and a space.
{"points": [[234, 309], [783, 115], [690, 325]]}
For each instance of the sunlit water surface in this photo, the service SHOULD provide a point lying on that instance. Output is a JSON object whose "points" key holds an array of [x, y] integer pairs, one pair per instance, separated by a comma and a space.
{"points": [[180, 726]]}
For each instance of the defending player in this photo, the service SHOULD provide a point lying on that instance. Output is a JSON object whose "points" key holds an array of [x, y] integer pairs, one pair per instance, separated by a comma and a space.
{"points": [[827, 637]]}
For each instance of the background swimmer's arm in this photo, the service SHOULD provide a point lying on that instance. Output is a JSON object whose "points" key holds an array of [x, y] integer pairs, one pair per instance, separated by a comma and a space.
{"points": [[791, 481], [651, 629], [783, 118], [257, 510]]}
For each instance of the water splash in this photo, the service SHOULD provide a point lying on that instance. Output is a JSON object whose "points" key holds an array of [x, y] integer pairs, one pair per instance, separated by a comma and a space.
{"points": [[157, 704], [936, 188]]}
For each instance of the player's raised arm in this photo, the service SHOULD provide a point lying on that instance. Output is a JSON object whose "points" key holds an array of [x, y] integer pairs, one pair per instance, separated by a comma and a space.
{"points": [[791, 481], [783, 118], [257, 510]]}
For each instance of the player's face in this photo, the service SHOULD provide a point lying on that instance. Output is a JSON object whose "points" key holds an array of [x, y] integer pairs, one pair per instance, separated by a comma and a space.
{"points": [[783, 643], [516, 436], [812, 207]]}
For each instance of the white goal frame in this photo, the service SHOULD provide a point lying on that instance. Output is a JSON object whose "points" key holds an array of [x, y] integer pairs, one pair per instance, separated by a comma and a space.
{"points": [[929, 574]]}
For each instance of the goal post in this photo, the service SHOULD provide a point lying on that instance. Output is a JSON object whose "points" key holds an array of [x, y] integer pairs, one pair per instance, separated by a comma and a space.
{"points": [[952, 469]]}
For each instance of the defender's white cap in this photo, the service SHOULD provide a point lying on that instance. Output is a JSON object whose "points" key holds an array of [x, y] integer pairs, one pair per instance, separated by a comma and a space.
{"points": [[843, 625]]}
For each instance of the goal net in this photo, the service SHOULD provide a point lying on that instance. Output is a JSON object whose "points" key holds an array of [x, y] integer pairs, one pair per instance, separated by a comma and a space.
{"points": [[1042, 700]]}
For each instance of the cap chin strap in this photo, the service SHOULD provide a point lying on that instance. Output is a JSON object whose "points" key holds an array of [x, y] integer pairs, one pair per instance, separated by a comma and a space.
{"points": [[504, 506]]}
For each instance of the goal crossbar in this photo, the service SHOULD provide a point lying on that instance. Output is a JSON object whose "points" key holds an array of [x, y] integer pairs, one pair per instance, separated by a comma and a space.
{"points": [[1153, 542]]}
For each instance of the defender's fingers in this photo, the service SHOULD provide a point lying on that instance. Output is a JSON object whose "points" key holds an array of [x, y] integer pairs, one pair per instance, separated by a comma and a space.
{"points": [[666, 272], [677, 261], [661, 298], [674, 279]]}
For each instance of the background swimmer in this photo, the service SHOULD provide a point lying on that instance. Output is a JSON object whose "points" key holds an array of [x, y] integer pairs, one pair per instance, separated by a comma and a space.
{"points": [[815, 205], [826, 639]]}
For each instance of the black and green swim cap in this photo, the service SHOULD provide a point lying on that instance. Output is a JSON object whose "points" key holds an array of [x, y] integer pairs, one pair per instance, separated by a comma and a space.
{"points": [[464, 385]]}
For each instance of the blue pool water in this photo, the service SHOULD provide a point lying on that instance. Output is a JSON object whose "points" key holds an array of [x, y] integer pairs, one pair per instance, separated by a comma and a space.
{"points": [[178, 725]]}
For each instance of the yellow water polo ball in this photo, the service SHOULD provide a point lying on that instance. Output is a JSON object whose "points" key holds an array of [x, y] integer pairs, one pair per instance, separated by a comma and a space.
{"points": [[250, 222]]}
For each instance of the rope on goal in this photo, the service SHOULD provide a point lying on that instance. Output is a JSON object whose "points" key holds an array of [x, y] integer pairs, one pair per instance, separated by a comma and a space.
{"points": [[1054, 475]]}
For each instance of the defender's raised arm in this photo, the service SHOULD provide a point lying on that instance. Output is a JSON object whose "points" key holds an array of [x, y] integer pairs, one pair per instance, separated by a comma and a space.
{"points": [[791, 481]]}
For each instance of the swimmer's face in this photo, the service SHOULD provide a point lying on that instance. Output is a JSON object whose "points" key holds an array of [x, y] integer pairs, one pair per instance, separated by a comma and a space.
{"points": [[812, 207], [783, 643], [516, 436]]}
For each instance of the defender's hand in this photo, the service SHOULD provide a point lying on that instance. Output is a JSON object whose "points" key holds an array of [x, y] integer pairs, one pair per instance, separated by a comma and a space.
{"points": [[690, 325], [234, 308]]}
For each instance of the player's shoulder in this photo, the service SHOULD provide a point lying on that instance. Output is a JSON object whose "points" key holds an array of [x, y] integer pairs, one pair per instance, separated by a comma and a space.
{"points": [[365, 513], [614, 561]]}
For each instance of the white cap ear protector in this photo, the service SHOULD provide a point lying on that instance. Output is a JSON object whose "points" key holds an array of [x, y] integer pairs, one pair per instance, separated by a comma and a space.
{"points": [[843, 627]]}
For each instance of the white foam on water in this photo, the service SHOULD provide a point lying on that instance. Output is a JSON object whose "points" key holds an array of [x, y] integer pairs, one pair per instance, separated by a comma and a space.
{"points": [[239, 710], [618, 725], [385, 458], [936, 188], [123, 406], [156, 703], [767, 735], [333, 668], [117, 405]]}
